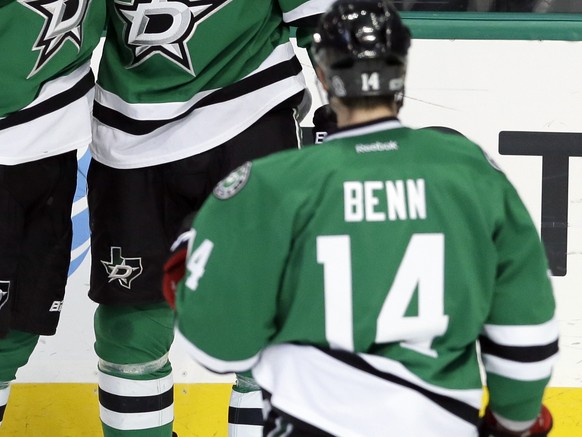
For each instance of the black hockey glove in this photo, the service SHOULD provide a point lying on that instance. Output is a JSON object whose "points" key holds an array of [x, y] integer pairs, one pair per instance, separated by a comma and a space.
{"points": [[324, 122]]}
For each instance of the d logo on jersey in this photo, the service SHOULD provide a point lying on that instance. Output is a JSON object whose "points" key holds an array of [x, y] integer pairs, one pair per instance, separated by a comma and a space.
{"points": [[121, 269], [63, 22], [164, 27]]}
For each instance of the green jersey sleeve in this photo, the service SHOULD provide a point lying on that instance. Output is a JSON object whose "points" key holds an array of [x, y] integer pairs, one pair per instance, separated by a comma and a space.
{"points": [[520, 337], [236, 283]]}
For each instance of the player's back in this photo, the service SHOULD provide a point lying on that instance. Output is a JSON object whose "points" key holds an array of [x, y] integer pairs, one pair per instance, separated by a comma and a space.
{"points": [[394, 257]]}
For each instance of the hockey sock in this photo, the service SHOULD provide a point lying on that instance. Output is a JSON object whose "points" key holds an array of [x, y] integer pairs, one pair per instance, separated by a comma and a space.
{"points": [[136, 394], [15, 350], [245, 414]]}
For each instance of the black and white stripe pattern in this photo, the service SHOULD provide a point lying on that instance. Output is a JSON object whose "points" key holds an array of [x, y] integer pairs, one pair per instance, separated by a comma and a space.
{"points": [[523, 353], [245, 86], [245, 414], [79, 84], [360, 395], [120, 127], [132, 405]]}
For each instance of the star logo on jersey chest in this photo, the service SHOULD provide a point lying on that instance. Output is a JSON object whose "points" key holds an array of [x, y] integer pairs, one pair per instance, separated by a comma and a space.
{"points": [[63, 22], [164, 27]]}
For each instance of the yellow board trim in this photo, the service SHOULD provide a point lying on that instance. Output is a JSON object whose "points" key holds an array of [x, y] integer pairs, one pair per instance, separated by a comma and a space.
{"points": [[72, 410]]}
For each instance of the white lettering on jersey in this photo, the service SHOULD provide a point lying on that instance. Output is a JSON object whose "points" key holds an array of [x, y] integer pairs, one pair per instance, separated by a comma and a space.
{"points": [[376, 201]]}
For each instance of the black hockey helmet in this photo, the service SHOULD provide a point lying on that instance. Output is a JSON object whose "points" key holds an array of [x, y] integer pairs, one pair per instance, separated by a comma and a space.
{"points": [[362, 46]]}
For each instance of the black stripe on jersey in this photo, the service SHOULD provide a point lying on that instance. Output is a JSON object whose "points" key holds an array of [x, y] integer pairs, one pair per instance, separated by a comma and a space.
{"points": [[136, 404], [453, 406], [269, 76], [50, 105], [2, 409], [245, 416], [310, 22], [520, 354], [277, 423]]}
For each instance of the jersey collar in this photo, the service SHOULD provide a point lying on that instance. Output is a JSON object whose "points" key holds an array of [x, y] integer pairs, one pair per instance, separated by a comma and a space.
{"points": [[380, 124]]}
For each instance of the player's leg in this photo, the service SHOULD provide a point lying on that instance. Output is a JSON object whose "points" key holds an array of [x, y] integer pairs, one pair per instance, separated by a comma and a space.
{"points": [[15, 350], [35, 244], [133, 324], [135, 376], [245, 414]]}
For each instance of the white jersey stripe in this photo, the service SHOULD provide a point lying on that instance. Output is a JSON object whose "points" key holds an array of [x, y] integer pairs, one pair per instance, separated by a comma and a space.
{"points": [[531, 335], [214, 364], [314, 7], [519, 371], [170, 110], [213, 125]]}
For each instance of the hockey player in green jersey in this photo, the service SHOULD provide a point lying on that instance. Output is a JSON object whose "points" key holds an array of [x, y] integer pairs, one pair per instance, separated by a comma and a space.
{"points": [[185, 88], [46, 93], [356, 278]]}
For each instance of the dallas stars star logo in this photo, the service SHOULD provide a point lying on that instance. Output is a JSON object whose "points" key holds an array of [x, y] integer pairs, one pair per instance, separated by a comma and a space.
{"points": [[63, 22], [121, 269], [164, 27]]}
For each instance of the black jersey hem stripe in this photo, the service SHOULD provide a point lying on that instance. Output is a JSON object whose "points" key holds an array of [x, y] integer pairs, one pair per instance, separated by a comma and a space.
{"points": [[136, 404], [2, 409], [521, 354], [269, 76], [245, 416], [51, 104], [300, 428], [309, 21], [458, 408]]}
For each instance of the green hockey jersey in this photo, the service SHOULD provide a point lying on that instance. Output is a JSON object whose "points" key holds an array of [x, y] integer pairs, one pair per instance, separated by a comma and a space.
{"points": [[180, 77], [46, 82], [355, 278]]}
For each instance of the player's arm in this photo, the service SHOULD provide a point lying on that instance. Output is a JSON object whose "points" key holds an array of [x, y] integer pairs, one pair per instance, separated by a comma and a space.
{"points": [[519, 342], [303, 15], [226, 303]]}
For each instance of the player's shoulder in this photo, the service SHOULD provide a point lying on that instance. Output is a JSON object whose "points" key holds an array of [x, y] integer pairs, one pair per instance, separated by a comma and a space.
{"points": [[297, 166], [454, 145], [274, 175]]}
